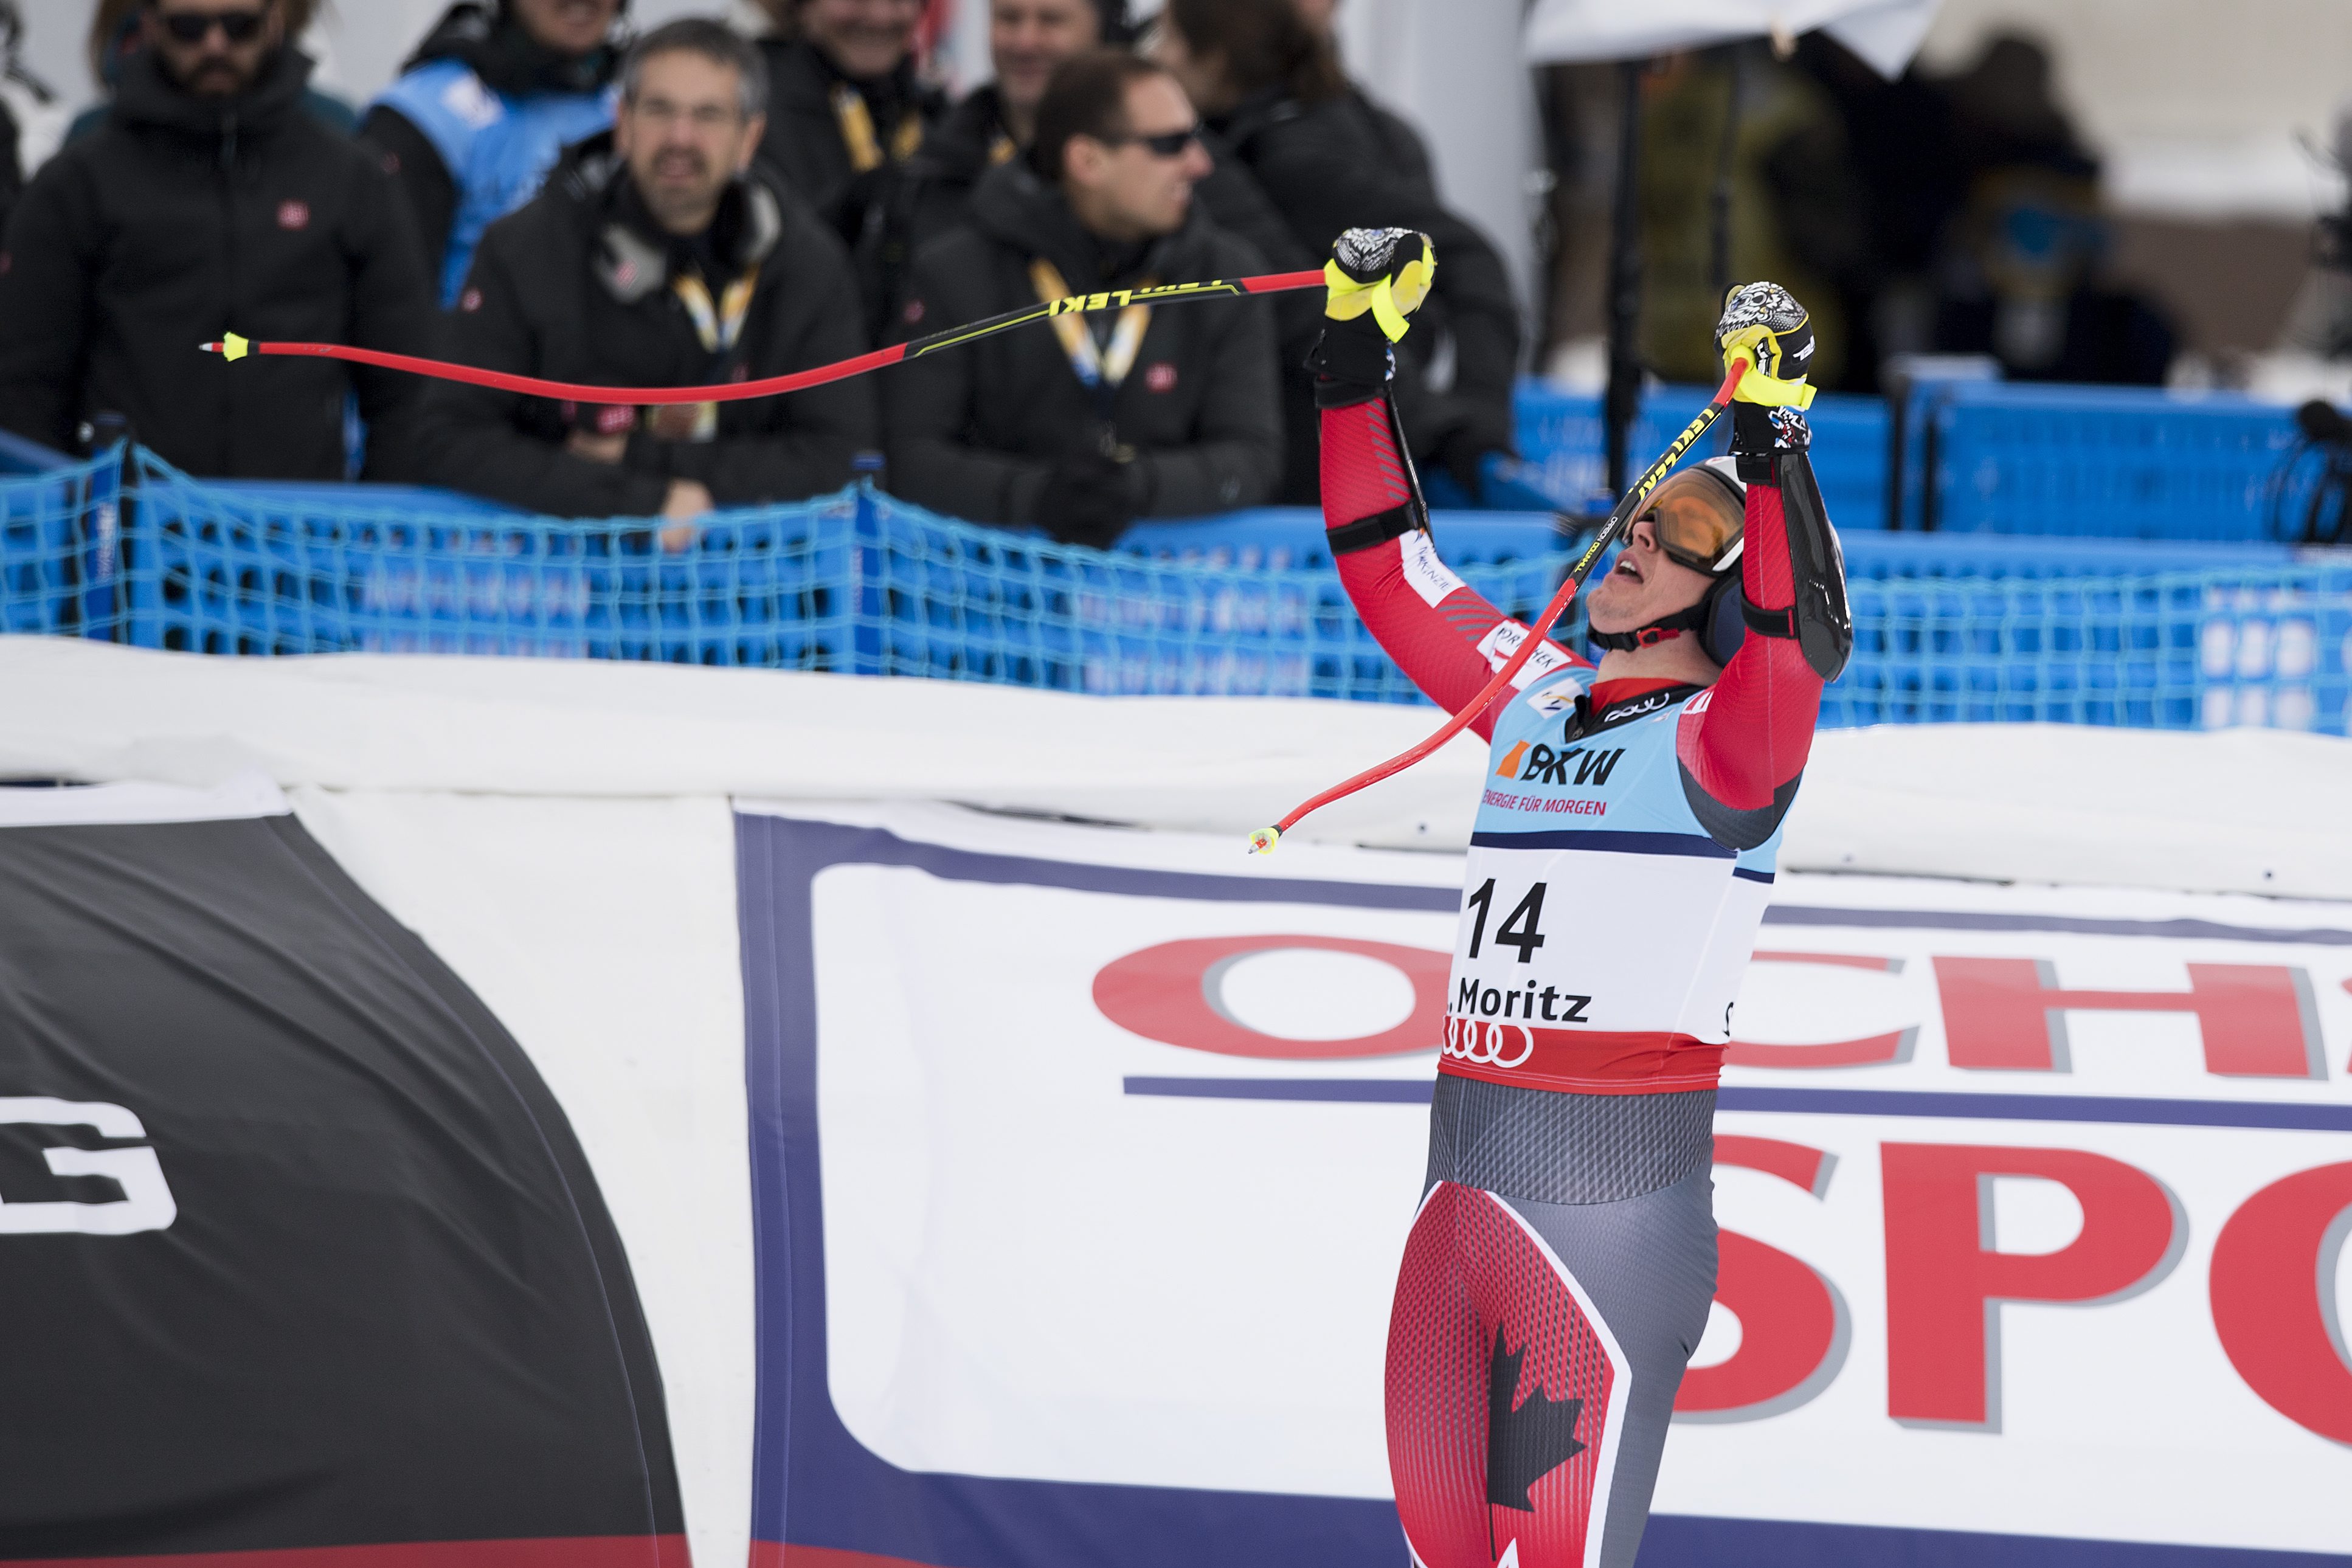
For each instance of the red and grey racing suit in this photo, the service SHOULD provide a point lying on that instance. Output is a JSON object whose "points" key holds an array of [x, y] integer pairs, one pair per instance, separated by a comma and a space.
{"points": [[1559, 1273]]}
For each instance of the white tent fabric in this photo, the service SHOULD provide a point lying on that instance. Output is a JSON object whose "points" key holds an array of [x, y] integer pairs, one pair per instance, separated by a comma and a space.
{"points": [[1886, 33]]}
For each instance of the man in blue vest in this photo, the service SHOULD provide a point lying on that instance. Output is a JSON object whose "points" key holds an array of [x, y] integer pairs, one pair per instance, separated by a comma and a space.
{"points": [[495, 93]]}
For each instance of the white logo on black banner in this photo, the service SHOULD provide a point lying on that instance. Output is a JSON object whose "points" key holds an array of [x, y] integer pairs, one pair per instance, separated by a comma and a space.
{"points": [[146, 1201]]}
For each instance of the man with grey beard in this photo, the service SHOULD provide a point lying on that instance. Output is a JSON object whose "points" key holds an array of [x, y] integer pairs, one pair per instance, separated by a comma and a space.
{"points": [[655, 256]]}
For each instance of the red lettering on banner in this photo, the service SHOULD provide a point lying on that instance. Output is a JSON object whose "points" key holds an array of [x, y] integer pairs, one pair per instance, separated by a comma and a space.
{"points": [[1792, 1323], [1945, 1285], [2010, 1014], [1171, 993], [2273, 1298], [1865, 1052]]}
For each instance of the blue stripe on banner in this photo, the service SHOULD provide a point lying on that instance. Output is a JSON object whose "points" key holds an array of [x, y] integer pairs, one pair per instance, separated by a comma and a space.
{"points": [[1971, 920], [1365, 1091], [1741, 871], [1605, 843], [1817, 1103], [2038, 1108], [1688, 1541]]}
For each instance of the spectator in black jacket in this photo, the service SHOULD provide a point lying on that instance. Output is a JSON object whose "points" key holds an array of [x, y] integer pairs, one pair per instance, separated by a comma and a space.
{"points": [[1026, 40], [845, 114], [1099, 419], [655, 258], [211, 202], [1271, 87]]}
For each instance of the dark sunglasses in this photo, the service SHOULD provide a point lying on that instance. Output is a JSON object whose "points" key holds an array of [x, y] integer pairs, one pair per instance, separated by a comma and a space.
{"points": [[1167, 144], [237, 27]]}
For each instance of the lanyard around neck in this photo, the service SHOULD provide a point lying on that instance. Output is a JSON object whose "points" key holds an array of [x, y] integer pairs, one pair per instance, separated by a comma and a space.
{"points": [[720, 327], [858, 136], [1096, 367]]}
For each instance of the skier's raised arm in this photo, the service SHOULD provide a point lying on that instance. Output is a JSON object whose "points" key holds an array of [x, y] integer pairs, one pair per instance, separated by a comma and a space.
{"points": [[1442, 633]]}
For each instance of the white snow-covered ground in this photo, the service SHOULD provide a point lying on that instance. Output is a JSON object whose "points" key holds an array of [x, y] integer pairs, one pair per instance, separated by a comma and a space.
{"points": [[2236, 810]]}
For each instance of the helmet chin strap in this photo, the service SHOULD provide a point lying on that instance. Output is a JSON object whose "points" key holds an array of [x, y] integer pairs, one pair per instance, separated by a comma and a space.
{"points": [[1720, 621], [1690, 617]]}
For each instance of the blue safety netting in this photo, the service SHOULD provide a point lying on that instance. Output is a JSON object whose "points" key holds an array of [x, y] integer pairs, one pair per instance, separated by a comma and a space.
{"points": [[1947, 627]]}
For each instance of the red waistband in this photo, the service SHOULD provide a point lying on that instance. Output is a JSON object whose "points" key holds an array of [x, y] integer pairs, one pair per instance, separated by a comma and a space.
{"points": [[1586, 1062]]}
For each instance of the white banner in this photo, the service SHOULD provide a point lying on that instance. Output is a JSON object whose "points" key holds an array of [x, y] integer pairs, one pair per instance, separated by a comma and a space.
{"points": [[2034, 1200]]}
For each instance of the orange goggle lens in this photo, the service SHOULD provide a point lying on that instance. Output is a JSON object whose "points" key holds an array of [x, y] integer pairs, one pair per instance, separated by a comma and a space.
{"points": [[1697, 518]]}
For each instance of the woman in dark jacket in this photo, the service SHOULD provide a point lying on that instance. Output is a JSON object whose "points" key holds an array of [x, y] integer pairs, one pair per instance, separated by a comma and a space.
{"points": [[1330, 160]]}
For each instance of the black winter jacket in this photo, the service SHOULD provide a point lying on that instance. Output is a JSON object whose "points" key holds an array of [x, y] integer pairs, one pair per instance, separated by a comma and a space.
{"points": [[804, 149], [940, 180], [975, 431], [181, 218], [1345, 163], [576, 286]]}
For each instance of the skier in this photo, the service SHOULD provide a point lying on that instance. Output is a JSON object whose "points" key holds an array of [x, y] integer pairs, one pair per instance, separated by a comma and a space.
{"points": [[1559, 1273]]}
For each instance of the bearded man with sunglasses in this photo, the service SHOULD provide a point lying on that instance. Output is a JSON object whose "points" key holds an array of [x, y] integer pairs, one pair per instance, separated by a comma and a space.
{"points": [[1558, 1272], [1110, 416], [209, 202]]}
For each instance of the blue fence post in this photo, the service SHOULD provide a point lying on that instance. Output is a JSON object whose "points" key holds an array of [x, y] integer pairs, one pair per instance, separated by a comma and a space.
{"points": [[137, 553], [866, 592], [96, 525]]}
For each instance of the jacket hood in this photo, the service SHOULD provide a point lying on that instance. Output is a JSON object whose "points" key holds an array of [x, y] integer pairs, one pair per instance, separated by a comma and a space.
{"points": [[1014, 207], [493, 46], [634, 256], [145, 96]]}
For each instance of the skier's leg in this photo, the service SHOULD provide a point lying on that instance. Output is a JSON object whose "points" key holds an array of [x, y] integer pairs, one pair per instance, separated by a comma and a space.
{"points": [[1647, 1264]]}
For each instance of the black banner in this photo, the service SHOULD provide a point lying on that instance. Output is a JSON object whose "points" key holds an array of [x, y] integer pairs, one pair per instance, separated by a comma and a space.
{"points": [[295, 1248]]}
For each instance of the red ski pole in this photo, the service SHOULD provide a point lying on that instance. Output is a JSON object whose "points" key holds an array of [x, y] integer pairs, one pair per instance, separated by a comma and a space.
{"points": [[1263, 840], [235, 348]]}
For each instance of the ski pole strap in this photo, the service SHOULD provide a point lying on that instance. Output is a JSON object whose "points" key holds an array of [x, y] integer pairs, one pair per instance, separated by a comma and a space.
{"points": [[1377, 529], [1781, 623]]}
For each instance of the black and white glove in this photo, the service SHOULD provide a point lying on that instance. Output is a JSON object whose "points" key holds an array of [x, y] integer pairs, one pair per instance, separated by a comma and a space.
{"points": [[1763, 324], [1375, 280]]}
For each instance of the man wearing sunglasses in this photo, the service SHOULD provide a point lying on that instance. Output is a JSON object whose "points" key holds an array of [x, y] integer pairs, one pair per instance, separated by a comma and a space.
{"points": [[1110, 416], [997, 121], [1560, 1271], [207, 200]]}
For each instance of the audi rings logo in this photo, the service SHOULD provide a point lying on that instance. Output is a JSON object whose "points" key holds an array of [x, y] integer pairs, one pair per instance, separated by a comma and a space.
{"points": [[1484, 1044]]}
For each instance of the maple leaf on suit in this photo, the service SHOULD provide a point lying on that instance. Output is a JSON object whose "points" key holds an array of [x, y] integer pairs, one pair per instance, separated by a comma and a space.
{"points": [[1526, 1444]]}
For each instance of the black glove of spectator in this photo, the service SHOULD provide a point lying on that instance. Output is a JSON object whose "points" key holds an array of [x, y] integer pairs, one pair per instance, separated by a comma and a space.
{"points": [[1089, 499]]}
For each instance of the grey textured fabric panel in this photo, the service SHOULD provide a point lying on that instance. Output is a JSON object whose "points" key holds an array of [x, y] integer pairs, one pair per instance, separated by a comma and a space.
{"points": [[1551, 1147], [1648, 1264]]}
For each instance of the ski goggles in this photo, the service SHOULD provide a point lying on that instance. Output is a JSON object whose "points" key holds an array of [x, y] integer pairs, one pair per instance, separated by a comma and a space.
{"points": [[1698, 518]]}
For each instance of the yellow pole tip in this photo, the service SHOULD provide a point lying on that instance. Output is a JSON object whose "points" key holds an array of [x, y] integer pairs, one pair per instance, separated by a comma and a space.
{"points": [[1262, 841], [233, 347]]}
